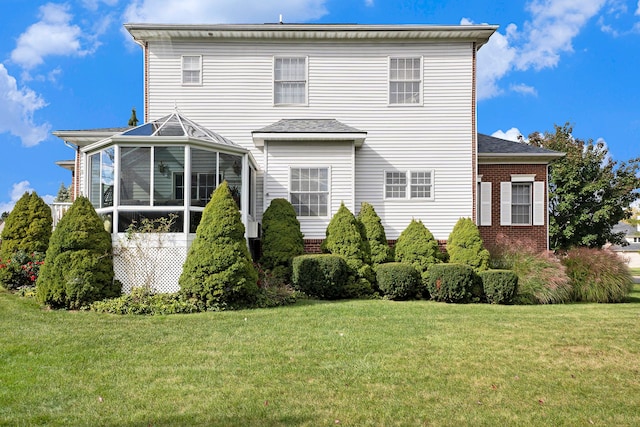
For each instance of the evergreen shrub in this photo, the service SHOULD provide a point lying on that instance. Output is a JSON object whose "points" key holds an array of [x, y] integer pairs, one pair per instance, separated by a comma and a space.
{"points": [[597, 275], [465, 246], [218, 271], [456, 283], [417, 246], [78, 266], [398, 281], [27, 228], [142, 301], [374, 234], [499, 286], [323, 276], [282, 239]]}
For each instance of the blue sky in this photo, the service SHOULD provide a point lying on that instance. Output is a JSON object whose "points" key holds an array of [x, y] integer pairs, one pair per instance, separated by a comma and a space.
{"points": [[69, 65]]}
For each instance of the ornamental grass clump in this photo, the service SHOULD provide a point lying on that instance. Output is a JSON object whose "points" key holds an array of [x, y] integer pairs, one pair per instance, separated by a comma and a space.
{"points": [[465, 245], [78, 266], [27, 228], [597, 275], [218, 271], [416, 246], [374, 234], [282, 239]]}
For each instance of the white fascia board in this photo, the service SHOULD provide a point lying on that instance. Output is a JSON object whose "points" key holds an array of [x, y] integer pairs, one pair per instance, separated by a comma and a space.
{"points": [[260, 137]]}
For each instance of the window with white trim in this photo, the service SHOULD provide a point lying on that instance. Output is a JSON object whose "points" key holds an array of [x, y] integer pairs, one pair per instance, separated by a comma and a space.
{"points": [[408, 185], [309, 191], [522, 201], [191, 69], [405, 80], [290, 81]]}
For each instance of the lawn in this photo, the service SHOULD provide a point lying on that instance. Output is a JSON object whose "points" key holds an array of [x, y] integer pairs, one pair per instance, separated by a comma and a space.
{"points": [[355, 363]]}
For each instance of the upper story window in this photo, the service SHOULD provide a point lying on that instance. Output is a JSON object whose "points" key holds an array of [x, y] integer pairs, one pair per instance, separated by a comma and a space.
{"points": [[309, 191], [405, 80], [408, 184], [192, 70], [290, 81]]}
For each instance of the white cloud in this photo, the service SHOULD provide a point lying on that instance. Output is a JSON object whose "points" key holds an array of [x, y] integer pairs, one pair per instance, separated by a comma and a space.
{"points": [[223, 11], [523, 89], [495, 60], [93, 4], [17, 190], [17, 106], [512, 134], [52, 35], [368, 3]]}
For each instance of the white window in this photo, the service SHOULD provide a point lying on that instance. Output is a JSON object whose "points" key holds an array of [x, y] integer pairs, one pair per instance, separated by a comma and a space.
{"points": [[309, 191], [290, 81], [522, 201], [192, 70], [405, 80], [408, 184]]}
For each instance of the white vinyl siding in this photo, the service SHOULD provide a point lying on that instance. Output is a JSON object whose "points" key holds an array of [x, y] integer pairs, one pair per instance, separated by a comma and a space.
{"points": [[290, 81], [191, 69], [408, 184], [309, 191], [349, 82], [405, 80]]}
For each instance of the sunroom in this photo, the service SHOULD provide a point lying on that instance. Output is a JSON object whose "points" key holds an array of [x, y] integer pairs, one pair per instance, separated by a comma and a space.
{"points": [[166, 168]]}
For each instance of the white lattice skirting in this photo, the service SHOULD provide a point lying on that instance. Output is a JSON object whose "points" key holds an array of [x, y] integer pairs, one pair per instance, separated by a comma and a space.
{"points": [[154, 260]]}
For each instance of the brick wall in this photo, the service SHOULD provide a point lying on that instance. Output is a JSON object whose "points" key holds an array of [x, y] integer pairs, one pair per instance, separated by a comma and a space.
{"points": [[535, 235]]}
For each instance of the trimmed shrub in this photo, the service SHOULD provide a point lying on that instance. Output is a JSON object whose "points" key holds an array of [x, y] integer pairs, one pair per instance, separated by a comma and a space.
{"points": [[417, 246], [345, 238], [465, 246], [499, 286], [142, 301], [322, 276], [455, 283], [374, 234], [597, 275], [398, 281], [218, 271], [542, 279], [282, 239], [78, 266], [27, 228]]}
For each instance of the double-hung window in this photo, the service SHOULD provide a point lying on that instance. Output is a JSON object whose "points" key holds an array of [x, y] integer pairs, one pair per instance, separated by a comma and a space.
{"points": [[408, 184], [521, 203], [309, 191], [405, 80], [290, 81], [192, 70]]}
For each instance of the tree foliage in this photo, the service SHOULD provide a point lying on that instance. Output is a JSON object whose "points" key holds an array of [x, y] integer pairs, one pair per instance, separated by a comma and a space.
{"points": [[282, 239], [374, 234], [28, 226], [589, 192], [219, 272], [465, 245], [78, 266], [64, 193]]}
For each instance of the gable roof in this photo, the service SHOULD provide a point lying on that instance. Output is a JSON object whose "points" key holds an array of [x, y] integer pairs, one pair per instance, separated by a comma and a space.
{"points": [[497, 150]]}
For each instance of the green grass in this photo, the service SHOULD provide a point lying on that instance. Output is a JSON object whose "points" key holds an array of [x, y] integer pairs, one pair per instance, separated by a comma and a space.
{"points": [[356, 363], [635, 271]]}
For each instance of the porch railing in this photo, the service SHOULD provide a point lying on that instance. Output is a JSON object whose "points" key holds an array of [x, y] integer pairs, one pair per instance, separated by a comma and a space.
{"points": [[57, 210]]}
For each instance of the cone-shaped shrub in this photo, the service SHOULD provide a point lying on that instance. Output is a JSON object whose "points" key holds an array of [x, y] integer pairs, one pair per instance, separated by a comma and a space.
{"points": [[28, 227], [282, 239], [374, 233], [465, 246], [345, 238], [78, 266], [417, 246], [219, 272]]}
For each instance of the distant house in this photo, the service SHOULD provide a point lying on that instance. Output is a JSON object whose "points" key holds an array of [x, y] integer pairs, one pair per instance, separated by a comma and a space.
{"points": [[319, 115], [631, 252]]}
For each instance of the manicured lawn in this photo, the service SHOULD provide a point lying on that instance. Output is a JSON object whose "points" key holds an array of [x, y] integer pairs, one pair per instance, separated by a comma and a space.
{"points": [[635, 271], [356, 363]]}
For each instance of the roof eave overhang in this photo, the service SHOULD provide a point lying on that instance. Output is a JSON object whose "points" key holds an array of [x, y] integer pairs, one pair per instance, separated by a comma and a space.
{"points": [[505, 158], [83, 138], [357, 138], [147, 140], [472, 33]]}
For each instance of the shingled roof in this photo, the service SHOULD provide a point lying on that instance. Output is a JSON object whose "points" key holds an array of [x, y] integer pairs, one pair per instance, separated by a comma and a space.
{"points": [[309, 126], [490, 147]]}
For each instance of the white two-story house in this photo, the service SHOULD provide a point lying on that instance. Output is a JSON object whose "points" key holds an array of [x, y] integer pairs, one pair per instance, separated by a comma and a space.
{"points": [[319, 115]]}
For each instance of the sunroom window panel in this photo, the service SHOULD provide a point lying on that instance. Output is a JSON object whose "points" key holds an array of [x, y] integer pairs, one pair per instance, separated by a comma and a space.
{"points": [[94, 180], [169, 163], [135, 176]]}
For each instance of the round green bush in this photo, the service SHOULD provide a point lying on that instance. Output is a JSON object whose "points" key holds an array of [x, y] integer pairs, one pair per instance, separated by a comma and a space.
{"points": [[597, 275], [417, 246], [218, 271], [499, 286], [398, 281], [282, 239], [323, 276], [27, 228], [374, 234], [78, 266], [456, 283], [465, 246]]}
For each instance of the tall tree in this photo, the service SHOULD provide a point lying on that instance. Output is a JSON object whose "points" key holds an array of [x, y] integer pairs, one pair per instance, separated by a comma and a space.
{"points": [[64, 195], [589, 192]]}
